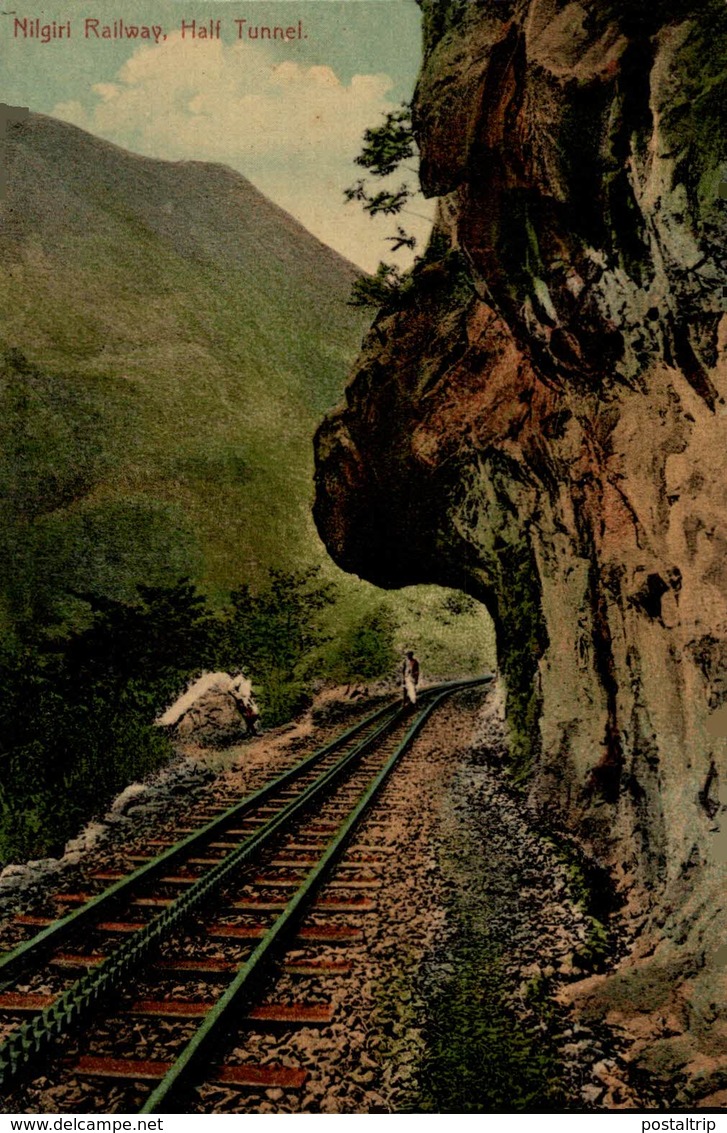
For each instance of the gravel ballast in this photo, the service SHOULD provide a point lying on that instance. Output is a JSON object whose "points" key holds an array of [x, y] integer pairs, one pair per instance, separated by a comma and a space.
{"points": [[471, 890]]}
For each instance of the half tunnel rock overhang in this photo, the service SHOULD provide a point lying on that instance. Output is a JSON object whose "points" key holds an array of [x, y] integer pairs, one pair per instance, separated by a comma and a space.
{"points": [[388, 522], [372, 523]]}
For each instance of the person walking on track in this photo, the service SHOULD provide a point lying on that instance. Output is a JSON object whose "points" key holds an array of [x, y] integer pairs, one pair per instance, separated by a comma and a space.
{"points": [[410, 678]]}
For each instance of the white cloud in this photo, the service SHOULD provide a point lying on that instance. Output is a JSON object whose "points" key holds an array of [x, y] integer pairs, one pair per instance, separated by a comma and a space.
{"points": [[293, 130]]}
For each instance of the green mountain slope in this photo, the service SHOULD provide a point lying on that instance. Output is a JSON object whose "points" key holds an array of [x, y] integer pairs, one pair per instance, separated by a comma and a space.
{"points": [[170, 340], [183, 336]]}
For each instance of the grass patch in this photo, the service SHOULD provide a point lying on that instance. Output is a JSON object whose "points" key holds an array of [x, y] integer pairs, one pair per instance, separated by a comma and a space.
{"points": [[480, 1058], [592, 888]]}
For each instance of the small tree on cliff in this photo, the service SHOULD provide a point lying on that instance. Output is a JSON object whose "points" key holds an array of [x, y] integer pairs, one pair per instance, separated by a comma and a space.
{"points": [[386, 285], [385, 150]]}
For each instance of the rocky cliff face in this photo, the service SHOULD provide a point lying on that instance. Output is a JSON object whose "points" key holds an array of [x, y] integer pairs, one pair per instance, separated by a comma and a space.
{"points": [[542, 422]]}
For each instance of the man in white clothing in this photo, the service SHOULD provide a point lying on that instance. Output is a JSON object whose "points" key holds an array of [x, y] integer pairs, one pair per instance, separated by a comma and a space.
{"points": [[410, 678]]}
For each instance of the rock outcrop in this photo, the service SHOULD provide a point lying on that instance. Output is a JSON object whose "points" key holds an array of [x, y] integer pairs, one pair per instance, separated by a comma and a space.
{"points": [[217, 708], [541, 422]]}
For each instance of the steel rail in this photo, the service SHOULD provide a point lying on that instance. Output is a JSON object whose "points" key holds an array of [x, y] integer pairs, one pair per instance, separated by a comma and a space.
{"points": [[19, 957], [22, 1047], [54, 933], [240, 990]]}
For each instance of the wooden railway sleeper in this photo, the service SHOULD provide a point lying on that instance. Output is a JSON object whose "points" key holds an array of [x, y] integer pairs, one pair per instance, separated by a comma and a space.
{"points": [[33, 1037], [21, 956], [107, 977], [237, 995]]}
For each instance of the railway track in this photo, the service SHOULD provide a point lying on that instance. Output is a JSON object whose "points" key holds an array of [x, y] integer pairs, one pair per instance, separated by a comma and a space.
{"points": [[140, 984]]}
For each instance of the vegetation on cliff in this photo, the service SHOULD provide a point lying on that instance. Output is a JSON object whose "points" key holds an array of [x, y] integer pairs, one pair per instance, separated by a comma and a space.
{"points": [[559, 449]]}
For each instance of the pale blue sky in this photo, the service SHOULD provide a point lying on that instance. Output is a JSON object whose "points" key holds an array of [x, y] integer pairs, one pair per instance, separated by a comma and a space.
{"points": [[287, 115]]}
